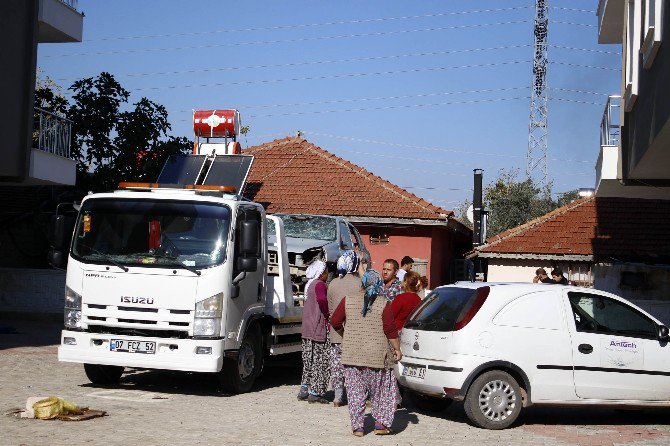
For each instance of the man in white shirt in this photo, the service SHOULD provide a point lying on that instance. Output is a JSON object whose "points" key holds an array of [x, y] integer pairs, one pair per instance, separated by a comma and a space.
{"points": [[405, 265]]}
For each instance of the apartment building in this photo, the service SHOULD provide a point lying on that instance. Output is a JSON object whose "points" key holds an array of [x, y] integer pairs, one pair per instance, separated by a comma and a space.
{"points": [[634, 156]]}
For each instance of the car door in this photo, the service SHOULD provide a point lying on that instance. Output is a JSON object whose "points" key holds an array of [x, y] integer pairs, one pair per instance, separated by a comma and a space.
{"points": [[616, 351], [345, 237]]}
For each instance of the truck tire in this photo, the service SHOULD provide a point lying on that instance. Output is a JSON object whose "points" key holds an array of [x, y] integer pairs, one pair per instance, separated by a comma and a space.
{"points": [[103, 374], [429, 403], [238, 375], [493, 400]]}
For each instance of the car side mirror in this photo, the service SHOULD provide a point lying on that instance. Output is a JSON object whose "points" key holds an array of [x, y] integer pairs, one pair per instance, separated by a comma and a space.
{"points": [[57, 259], [663, 333]]}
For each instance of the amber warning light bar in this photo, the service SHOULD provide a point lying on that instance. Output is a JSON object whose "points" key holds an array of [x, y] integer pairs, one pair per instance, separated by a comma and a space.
{"points": [[196, 187]]}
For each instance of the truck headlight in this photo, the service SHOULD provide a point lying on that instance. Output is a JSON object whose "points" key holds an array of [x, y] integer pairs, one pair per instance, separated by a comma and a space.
{"points": [[208, 313], [72, 315]]}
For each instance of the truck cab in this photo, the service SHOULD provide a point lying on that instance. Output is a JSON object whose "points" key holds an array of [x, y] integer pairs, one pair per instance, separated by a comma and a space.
{"points": [[173, 275]]}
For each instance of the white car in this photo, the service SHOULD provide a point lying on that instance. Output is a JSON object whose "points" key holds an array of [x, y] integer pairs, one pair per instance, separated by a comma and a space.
{"points": [[501, 347]]}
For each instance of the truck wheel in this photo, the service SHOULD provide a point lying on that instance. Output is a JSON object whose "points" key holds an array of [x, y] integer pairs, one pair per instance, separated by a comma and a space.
{"points": [[429, 403], [493, 400], [238, 375], [103, 374]]}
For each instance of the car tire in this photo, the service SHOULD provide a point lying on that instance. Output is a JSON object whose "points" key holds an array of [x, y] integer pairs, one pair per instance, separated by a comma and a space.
{"points": [[103, 374], [493, 400], [238, 375], [429, 403]]}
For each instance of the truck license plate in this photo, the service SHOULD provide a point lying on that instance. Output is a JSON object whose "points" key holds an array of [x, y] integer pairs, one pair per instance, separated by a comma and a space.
{"points": [[414, 371], [130, 346]]}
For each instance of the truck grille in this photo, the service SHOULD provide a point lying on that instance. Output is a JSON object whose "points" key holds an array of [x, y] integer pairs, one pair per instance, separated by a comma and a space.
{"points": [[121, 319]]}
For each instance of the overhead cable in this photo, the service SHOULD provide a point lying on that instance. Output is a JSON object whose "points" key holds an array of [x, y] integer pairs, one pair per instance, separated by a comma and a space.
{"points": [[335, 76], [295, 40], [307, 25], [323, 62], [569, 64]]}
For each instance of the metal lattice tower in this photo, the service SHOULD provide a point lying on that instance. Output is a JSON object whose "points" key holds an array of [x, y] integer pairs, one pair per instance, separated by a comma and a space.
{"points": [[536, 158]]}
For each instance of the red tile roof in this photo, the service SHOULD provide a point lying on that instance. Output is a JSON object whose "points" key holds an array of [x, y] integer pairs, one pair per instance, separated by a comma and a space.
{"points": [[607, 228], [292, 175]]}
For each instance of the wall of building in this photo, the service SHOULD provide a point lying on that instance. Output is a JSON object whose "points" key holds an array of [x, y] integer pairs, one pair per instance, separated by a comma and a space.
{"points": [[649, 286], [518, 270], [645, 153], [413, 241], [35, 293]]}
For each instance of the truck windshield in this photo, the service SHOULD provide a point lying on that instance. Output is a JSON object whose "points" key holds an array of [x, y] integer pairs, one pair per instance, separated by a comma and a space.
{"points": [[160, 233], [308, 226]]}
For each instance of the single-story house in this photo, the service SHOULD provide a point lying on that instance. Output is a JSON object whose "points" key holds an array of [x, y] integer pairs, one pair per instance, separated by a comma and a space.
{"points": [[619, 245], [292, 175]]}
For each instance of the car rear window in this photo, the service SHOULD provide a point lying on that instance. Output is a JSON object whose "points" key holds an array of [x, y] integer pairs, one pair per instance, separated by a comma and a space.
{"points": [[447, 309]]}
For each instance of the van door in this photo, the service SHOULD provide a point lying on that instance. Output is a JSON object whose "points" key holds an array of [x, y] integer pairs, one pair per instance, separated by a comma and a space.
{"points": [[615, 350]]}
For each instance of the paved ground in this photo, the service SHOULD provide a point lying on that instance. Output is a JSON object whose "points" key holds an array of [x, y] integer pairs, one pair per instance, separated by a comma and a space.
{"points": [[158, 408]]}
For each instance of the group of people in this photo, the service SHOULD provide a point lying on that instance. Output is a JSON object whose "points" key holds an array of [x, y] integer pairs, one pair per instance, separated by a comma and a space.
{"points": [[556, 278], [350, 335]]}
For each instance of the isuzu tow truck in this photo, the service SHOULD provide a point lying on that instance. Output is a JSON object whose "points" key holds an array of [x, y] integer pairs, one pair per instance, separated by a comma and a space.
{"points": [[173, 275]]}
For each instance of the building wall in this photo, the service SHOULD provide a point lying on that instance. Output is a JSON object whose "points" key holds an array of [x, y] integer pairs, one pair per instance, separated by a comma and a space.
{"points": [[413, 241], [517, 270], [32, 292], [652, 293], [645, 151]]}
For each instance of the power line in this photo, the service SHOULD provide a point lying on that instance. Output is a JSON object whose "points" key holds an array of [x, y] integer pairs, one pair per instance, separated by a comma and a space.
{"points": [[378, 98], [577, 101], [569, 64], [589, 50], [295, 40], [322, 62], [307, 25], [335, 76], [433, 149], [560, 22], [595, 93], [560, 8], [389, 107]]}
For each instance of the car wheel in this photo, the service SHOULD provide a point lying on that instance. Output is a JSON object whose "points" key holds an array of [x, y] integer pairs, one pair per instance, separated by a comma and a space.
{"points": [[429, 403], [493, 400], [238, 375], [103, 374]]}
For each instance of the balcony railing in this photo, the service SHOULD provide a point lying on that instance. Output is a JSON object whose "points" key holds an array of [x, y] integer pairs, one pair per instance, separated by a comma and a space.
{"points": [[610, 126], [74, 4], [52, 133]]}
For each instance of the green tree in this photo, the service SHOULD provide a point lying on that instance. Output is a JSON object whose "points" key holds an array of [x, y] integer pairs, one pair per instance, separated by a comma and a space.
{"points": [[511, 202], [112, 141], [112, 144]]}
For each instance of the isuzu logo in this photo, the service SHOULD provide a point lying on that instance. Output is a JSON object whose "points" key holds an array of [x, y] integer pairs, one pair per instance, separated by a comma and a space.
{"points": [[137, 300]]}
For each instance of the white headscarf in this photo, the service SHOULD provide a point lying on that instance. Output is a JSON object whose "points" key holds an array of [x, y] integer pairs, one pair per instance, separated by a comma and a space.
{"points": [[314, 270]]}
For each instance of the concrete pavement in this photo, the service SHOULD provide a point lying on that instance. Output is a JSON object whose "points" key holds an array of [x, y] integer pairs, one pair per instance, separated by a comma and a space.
{"points": [[157, 408]]}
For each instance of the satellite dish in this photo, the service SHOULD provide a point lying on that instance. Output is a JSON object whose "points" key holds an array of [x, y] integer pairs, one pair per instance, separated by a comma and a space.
{"points": [[470, 213]]}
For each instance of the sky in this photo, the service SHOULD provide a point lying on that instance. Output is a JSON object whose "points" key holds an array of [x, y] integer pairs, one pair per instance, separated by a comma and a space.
{"points": [[419, 93]]}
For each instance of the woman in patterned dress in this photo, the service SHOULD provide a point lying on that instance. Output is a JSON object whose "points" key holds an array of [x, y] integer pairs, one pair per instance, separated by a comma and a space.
{"points": [[315, 342], [370, 348]]}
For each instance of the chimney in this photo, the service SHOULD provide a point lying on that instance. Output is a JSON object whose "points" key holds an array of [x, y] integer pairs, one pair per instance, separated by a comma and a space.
{"points": [[477, 209]]}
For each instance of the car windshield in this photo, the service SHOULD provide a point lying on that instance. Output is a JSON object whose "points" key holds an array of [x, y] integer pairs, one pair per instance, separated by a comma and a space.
{"points": [[440, 310], [308, 226], [160, 233]]}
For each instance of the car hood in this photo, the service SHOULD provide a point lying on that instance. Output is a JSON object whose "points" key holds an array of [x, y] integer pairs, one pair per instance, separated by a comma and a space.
{"points": [[300, 245]]}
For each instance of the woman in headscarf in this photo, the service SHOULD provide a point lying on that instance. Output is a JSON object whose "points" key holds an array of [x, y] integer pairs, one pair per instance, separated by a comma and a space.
{"points": [[347, 283], [315, 342], [370, 348]]}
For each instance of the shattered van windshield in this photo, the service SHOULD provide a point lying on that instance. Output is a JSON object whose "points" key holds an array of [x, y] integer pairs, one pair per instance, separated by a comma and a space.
{"points": [[161, 233], [310, 226]]}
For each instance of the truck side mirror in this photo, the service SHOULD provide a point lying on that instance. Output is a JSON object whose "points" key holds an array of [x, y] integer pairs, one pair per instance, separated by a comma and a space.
{"points": [[663, 333], [250, 232], [56, 259], [247, 264], [57, 236]]}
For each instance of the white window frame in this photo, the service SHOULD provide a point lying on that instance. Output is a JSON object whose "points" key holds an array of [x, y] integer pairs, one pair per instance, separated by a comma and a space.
{"points": [[653, 22], [631, 52]]}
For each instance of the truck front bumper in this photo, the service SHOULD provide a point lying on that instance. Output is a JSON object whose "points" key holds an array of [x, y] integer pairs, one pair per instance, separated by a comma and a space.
{"points": [[170, 354]]}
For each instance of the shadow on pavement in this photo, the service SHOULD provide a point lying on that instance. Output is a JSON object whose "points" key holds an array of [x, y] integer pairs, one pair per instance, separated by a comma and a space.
{"points": [[277, 372], [566, 416], [25, 333]]}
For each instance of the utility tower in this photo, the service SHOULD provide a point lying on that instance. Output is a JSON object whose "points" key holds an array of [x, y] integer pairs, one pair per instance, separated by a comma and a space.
{"points": [[536, 158]]}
